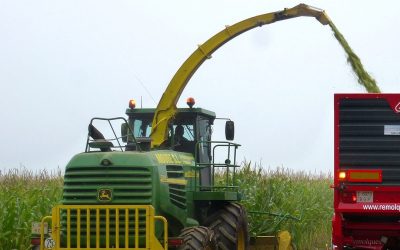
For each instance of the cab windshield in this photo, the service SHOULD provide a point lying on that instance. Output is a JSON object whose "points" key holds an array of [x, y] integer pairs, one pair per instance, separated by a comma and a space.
{"points": [[183, 134], [142, 128]]}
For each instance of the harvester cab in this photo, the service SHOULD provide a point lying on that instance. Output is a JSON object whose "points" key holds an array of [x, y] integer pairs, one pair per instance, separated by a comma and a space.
{"points": [[189, 127], [189, 132]]}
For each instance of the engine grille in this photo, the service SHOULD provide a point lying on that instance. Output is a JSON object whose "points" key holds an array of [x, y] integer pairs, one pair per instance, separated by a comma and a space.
{"points": [[129, 185], [177, 192]]}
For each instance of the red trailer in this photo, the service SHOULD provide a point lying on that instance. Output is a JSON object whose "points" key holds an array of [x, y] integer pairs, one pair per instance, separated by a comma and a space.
{"points": [[367, 172]]}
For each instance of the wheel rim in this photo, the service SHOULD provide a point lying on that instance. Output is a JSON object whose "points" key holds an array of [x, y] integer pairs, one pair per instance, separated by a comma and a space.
{"points": [[241, 243]]}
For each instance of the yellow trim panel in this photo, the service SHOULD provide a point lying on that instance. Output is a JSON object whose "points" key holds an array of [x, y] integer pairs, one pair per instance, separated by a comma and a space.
{"points": [[163, 179], [168, 158]]}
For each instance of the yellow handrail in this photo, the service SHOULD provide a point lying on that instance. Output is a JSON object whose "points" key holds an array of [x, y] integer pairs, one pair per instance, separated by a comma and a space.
{"points": [[165, 222], [42, 231]]}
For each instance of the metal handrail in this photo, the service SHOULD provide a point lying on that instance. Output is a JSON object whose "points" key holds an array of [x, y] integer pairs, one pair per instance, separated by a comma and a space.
{"points": [[115, 135], [227, 165]]}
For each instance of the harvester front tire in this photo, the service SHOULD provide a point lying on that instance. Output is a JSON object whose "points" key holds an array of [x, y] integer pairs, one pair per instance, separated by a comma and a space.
{"points": [[198, 238], [230, 226]]}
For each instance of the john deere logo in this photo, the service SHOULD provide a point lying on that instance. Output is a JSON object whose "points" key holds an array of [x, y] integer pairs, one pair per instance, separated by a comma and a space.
{"points": [[104, 194]]}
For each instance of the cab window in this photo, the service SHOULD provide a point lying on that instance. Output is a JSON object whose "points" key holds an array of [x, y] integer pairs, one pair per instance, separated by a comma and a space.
{"points": [[188, 131], [142, 127]]}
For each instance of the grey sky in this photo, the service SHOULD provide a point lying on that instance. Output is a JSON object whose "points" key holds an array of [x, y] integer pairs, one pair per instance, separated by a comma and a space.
{"points": [[63, 62]]}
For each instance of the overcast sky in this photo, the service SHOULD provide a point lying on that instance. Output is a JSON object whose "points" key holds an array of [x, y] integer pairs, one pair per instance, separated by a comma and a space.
{"points": [[63, 62]]}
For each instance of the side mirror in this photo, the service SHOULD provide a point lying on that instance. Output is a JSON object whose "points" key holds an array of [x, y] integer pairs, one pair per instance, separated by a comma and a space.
{"points": [[229, 130], [124, 132]]}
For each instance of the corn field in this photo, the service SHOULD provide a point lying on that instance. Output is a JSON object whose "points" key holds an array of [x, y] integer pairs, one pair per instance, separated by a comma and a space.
{"points": [[25, 196], [299, 202]]}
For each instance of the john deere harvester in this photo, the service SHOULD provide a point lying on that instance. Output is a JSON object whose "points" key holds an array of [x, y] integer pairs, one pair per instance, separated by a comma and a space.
{"points": [[151, 185]]}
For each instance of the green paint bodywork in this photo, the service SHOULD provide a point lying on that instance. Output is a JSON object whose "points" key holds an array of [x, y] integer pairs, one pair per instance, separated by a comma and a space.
{"points": [[164, 178]]}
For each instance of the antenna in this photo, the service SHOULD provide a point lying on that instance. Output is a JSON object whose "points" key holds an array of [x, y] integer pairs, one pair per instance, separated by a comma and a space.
{"points": [[141, 102], [147, 91]]}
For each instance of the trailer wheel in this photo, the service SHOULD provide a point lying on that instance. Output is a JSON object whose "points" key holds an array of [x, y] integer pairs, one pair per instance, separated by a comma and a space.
{"points": [[230, 226], [198, 238]]}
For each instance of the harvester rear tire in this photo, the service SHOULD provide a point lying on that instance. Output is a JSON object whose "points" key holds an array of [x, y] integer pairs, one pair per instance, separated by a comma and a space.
{"points": [[230, 226], [198, 238]]}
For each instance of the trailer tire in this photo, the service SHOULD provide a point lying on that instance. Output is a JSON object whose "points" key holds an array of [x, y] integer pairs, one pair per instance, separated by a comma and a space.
{"points": [[198, 238], [230, 226]]}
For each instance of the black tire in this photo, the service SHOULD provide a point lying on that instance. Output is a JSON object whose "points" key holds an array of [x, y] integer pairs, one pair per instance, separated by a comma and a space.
{"points": [[230, 226], [198, 238]]}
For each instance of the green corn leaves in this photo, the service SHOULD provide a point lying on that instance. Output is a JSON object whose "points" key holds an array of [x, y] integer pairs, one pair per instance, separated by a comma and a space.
{"points": [[25, 197], [299, 202]]}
